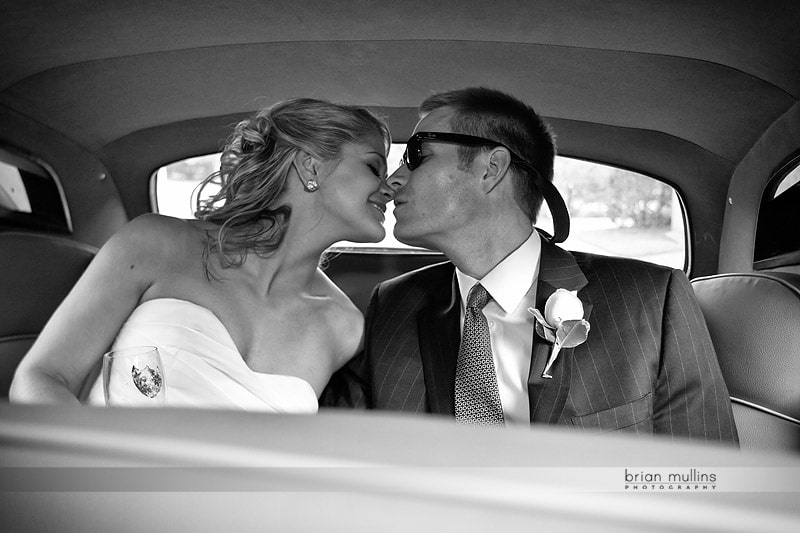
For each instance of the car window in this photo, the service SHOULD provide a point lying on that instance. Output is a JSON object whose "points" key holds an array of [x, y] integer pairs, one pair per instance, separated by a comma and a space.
{"points": [[30, 194], [619, 212], [777, 239], [613, 211]]}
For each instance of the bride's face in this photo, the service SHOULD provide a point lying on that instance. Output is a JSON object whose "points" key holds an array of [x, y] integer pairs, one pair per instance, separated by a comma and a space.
{"points": [[355, 193]]}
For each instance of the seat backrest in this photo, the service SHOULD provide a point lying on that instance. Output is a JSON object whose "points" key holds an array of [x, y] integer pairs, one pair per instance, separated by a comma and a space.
{"points": [[357, 273], [754, 321], [36, 273]]}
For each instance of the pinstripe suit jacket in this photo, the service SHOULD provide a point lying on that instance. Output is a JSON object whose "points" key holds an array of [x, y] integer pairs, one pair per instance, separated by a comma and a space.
{"points": [[648, 364]]}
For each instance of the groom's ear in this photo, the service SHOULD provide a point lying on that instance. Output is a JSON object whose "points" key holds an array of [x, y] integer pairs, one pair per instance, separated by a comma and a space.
{"points": [[497, 164]]}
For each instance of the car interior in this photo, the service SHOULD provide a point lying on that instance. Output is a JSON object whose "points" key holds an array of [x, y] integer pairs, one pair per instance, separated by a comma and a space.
{"points": [[96, 97], [753, 320]]}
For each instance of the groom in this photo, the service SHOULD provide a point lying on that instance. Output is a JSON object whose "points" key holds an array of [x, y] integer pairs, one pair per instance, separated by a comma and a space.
{"points": [[460, 338]]}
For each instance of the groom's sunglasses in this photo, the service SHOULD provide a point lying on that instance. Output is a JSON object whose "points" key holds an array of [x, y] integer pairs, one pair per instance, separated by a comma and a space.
{"points": [[412, 157]]}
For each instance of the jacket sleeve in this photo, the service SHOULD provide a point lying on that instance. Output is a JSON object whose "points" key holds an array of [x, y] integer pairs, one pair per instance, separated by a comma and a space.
{"points": [[691, 398]]}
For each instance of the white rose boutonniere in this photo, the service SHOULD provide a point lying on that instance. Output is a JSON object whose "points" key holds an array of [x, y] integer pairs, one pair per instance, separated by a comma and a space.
{"points": [[562, 324]]}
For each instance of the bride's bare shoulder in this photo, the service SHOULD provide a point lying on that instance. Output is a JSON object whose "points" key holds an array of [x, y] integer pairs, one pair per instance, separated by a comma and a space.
{"points": [[153, 223], [337, 295], [347, 318], [159, 236]]}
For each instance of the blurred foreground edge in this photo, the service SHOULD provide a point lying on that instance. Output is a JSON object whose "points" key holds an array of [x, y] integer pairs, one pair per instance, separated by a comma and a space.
{"points": [[80, 468]]}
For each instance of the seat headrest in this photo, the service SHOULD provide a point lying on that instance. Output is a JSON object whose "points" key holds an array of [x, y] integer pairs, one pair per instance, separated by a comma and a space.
{"points": [[754, 321]]}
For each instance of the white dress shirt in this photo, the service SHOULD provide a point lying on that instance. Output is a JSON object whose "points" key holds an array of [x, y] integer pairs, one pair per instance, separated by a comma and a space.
{"points": [[512, 285]]}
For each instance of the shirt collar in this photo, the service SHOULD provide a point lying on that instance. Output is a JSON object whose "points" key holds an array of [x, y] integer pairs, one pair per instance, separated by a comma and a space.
{"points": [[510, 280]]}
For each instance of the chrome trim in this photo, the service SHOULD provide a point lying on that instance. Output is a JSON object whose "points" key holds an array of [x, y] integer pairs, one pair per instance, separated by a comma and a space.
{"points": [[382, 251], [687, 233], [151, 186], [765, 410]]}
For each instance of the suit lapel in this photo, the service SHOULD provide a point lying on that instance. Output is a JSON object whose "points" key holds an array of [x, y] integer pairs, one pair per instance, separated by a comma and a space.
{"points": [[557, 269], [439, 340]]}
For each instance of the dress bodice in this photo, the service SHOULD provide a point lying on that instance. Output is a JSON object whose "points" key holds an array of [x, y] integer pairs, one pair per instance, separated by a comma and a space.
{"points": [[202, 366]]}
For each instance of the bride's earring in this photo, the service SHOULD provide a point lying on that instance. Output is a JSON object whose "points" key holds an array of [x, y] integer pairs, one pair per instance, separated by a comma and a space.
{"points": [[311, 186]]}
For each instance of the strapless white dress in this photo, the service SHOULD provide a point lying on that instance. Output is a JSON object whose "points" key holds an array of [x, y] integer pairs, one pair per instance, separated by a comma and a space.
{"points": [[202, 366]]}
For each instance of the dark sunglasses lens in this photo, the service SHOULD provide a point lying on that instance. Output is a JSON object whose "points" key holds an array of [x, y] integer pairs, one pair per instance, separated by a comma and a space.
{"points": [[411, 155], [406, 162]]}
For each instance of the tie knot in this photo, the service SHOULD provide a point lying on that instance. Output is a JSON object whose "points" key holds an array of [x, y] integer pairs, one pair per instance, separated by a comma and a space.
{"points": [[477, 297]]}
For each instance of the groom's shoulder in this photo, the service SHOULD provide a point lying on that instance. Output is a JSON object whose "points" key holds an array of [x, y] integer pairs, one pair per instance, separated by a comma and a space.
{"points": [[604, 263], [421, 278], [626, 274]]}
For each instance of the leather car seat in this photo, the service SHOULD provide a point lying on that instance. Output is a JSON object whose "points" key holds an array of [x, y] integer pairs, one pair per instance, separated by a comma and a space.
{"points": [[36, 273], [754, 321]]}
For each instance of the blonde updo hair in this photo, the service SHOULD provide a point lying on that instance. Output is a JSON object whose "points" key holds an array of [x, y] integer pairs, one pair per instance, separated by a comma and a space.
{"points": [[254, 170]]}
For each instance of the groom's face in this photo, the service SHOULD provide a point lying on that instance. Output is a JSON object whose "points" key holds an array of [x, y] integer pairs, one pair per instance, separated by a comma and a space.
{"points": [[430, 200]]}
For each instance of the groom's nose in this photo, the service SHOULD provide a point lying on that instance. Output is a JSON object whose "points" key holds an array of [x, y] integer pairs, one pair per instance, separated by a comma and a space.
{"points": [[398, 178], [386, 191]]}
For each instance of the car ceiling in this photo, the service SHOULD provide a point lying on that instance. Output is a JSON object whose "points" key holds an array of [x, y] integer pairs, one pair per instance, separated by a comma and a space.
{"points": [[683, 90]]}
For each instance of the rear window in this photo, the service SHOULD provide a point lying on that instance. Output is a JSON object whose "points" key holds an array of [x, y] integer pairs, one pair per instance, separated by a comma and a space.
{"points": [[613, 211], [777, 236], [618, 212], [30, 194]]}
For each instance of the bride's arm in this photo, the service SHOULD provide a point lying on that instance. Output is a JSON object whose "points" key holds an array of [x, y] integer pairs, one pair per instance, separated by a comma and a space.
{"points": [[87, 321]]}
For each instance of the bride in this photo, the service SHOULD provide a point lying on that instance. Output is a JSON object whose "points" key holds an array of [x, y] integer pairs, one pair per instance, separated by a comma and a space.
{"points": [[235, 300]]}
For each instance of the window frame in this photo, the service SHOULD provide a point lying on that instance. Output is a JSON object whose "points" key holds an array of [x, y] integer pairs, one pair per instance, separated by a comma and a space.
{"points": [[785, 168]]}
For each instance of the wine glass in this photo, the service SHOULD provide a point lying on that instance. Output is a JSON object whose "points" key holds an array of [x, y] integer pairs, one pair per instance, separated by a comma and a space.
{"points": [[134, 376]]}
